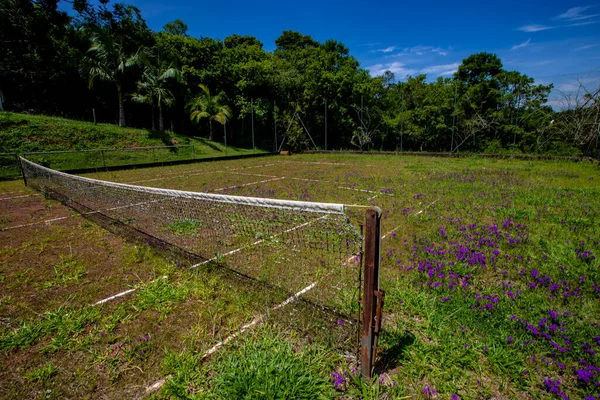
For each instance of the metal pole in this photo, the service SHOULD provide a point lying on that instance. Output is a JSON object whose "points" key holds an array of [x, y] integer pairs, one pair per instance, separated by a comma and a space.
{"points": [[275, 122], [252, 111], [516, 123], [453, 117], [372, 301], [20, 164], [325, 124], [402, 121], [225, 136]]}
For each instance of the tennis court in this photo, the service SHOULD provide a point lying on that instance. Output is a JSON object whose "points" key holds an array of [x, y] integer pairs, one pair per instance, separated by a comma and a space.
{"points": [[450, 229]]}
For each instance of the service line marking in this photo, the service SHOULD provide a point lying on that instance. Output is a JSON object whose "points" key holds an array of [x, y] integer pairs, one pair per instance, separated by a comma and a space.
{"points": [[247, 184], [417, 213], [256, 321]]}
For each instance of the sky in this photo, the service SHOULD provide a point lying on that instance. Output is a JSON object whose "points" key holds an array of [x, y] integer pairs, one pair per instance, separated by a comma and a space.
{"points": [[552, 41]]}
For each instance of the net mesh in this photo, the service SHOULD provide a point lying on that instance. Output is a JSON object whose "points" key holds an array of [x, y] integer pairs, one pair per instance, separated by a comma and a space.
{"points": [[290, 245]]}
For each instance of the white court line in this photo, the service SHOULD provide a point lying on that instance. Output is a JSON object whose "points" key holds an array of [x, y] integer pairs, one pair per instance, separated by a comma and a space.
{"points": [[317, 162], [247, 184], [417, 213], [191, 173], [126, 292], [78, 213], [310, 180], [14, 192], [260, 175], [257, 320], [257, 242], [19, 197], [35, 223]]}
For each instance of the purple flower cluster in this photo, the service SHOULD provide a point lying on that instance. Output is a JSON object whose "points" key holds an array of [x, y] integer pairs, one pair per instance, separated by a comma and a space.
{"points": [[337, 379], [429, 391], [553, 386]]}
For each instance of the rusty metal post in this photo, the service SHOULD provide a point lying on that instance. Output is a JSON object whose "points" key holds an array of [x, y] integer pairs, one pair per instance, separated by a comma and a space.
{"points": [[372, 299], [20, 164]]}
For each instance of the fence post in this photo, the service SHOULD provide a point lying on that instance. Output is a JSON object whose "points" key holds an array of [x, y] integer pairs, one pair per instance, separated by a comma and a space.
{"points": [[103, 159], [20, 164], [372, 300]]}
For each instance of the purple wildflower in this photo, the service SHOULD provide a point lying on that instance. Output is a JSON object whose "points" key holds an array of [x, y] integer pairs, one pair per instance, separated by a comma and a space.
{"points": [[337, 380]]}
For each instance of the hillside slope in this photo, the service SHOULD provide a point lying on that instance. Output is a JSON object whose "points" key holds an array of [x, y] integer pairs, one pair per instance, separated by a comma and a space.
{"points": [[26, 133]]}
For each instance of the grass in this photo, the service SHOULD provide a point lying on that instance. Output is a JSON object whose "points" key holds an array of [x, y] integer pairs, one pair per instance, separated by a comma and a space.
{"points": [[490, 268], [20, 133]]}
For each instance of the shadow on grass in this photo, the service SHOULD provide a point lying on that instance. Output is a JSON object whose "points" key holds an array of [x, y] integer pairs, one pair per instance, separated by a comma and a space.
{"points": [[162, 136], [392, 356], [209, 144]]}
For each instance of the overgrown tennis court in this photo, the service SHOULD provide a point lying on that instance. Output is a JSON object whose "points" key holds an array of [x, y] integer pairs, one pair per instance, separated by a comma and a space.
{"points": [[490, 269]]}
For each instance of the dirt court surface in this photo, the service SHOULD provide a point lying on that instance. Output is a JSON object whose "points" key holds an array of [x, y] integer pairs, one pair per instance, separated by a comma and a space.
{"points": [[458, 235]]}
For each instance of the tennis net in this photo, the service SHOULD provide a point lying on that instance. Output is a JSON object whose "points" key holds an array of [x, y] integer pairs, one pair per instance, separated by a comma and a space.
{"points": [[288, 244]]}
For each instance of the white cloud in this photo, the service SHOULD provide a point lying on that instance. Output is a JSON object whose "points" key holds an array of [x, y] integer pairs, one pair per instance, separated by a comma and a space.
{"points": [[534, 28], [520, 46], [576, 14], [399, 69], [441, 70], [584, 23], [388, 49], [421, 50], [585, 47]]}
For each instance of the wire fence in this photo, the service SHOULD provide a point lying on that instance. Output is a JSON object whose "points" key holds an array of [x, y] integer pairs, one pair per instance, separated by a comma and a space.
{"points": [[9, 166], [103, 158]]}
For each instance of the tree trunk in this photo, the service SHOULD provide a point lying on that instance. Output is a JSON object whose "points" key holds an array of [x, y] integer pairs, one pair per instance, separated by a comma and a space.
{"points": [[153, 122], [210, 137], [161, 125], [121, 109]]}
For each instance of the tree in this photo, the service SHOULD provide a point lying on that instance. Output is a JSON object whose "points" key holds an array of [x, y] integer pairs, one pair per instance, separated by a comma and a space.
{"points": [[34, 37], [209, 107], [580, 117], [175, 28], [291, 40], [108, 60], [153, 88]]}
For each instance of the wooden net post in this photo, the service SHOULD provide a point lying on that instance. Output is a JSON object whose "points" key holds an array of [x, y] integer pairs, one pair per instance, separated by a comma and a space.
{"points": [[372, 300]]}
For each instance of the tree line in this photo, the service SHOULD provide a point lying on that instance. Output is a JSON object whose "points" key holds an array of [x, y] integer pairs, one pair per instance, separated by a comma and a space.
{"points": [[104, 63]]}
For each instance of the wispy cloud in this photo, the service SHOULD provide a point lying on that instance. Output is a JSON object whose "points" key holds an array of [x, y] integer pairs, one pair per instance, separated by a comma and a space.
{"points": [[520, 46], [584, 23], [420, 50], [576, 14], [441, 70], [534, 28], [399, 69], [585, 47], [388, 49]]}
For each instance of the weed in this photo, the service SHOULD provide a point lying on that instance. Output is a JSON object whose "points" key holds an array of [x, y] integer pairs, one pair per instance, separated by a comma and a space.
{"points": [[185, 227], [43, 374]]}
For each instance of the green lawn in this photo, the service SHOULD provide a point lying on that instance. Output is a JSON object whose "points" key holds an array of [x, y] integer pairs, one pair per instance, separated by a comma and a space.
{"points": [[23, 133]]}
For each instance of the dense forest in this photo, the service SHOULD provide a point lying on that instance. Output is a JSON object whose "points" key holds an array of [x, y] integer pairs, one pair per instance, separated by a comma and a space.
{"points": [[104, 64]]}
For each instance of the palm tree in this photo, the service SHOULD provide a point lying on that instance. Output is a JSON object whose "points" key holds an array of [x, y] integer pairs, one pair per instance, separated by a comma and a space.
{"points": [[107, 60], [208, 106], [153, 88]]}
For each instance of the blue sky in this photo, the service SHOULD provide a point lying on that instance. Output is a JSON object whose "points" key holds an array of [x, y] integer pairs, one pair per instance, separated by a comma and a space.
{"points": [[551, 41]]}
